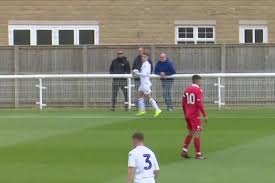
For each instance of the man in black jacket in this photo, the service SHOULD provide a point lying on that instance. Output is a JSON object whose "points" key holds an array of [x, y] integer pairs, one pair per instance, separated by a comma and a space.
{"points": [[137, 65], [120, 65]]}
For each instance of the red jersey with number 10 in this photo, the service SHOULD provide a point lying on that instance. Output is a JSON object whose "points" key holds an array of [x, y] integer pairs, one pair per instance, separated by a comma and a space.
{"points": [[192, 102]]}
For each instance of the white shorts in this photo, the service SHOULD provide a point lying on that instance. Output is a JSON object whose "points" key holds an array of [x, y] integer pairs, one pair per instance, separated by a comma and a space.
{"points": [[149, 180], [146, 89]]}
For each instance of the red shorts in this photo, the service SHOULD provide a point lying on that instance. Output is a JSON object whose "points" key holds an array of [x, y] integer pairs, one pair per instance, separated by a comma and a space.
{"points": [[194, 124]]}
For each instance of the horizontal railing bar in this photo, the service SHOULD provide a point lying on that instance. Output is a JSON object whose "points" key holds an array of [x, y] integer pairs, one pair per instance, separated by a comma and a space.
{"points": [[68, 76]]}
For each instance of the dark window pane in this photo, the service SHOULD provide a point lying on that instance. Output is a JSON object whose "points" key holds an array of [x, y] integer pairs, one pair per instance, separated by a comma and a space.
{"points": [[182, 30], [259, 36], [86, 37], [186, 42], [209, 35], [209, 30], [21, 37], [202, 35], [182, 35], [66, 37], [201, 30], [190, 35], [248, 36], [189, 30], [205, 42], [44, 37]]}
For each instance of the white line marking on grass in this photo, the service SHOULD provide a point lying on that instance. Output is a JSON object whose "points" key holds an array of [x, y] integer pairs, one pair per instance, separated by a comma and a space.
{"points": [[67, 117]]}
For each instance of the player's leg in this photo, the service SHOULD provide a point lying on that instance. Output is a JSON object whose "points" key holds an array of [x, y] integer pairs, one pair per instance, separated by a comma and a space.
{"points": [[153, 102], [141, 104], [187, 140], [197, 139]]}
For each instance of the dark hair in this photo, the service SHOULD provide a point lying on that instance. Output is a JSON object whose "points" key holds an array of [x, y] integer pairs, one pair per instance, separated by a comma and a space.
{"points": [[196, 78], [138, 136]]}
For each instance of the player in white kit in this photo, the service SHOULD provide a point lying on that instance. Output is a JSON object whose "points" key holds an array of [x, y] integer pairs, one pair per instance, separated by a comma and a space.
{"points": [[144, 91], [142, 163]]}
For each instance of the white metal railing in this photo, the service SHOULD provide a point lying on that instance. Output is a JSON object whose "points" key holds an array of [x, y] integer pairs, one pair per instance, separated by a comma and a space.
{"points": [[219, 84]]}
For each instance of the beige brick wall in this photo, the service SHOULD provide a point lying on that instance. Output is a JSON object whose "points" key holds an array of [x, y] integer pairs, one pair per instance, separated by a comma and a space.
{"points": [[142, 21]]}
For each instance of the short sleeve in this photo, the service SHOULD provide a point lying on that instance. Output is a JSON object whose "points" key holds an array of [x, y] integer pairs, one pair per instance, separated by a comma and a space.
{"points": [[131, 160], [199, 95]]}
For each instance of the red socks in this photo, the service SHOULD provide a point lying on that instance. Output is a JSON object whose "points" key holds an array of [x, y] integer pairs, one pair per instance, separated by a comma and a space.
{"points": [[187, 141], [197, 143]]}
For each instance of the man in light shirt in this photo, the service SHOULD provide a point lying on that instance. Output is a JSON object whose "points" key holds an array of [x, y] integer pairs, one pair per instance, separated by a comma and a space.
{"points": [[142, 163], [144, 90]]}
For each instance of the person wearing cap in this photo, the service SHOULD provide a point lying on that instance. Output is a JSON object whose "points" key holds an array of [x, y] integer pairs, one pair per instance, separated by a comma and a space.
{"points": [[120, 65]]}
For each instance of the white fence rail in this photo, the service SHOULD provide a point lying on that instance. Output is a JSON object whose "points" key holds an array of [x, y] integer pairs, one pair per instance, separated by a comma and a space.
{"points": [[95, 90]]}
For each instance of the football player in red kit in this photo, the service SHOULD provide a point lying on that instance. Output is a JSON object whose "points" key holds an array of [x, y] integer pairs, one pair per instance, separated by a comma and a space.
{"points": [[192, 106]]}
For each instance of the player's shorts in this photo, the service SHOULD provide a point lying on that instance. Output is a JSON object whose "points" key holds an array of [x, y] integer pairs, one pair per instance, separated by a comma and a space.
{"points": [[146, 89], [148, 180], [194, 124]]}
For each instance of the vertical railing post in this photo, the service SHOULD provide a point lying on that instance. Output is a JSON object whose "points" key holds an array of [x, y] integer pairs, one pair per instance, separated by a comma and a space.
{"points": [[85, 80], [219, 86], [16, 81], [219, 93], [41, 88]]}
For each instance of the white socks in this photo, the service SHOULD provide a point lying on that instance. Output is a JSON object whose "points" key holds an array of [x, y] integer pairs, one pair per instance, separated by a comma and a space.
{"points": [[154, 104], [141, 104]]}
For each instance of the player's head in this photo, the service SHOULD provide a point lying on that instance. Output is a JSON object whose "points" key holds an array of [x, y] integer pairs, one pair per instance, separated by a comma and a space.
{"points": [[145, 57], [138, 139], [196, 79]]}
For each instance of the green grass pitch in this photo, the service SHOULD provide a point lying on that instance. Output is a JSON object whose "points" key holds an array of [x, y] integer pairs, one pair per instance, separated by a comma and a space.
{"points": [[82, 146]]}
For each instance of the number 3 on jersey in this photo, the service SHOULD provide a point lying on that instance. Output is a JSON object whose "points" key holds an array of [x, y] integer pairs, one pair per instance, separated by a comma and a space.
{"points": [[147, 160], [191, 99]]}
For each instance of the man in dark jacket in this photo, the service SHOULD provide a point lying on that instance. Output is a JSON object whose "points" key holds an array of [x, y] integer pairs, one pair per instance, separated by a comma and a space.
{"points": [[164, 68], [120, 65], [137, 65]]}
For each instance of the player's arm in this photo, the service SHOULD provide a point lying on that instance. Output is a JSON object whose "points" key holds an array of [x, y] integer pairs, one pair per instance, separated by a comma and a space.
{"points": [[183, 103], [131, 168], [156, 173], [201, 106], [156, 165], [131, 171]]}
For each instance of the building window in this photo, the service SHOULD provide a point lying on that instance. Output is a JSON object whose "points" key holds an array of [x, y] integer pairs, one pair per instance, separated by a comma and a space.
{"points": [[21, 37], [253, 34], [44, 37], [195, 34], [53, 34], [86, 36], [66, 37]]}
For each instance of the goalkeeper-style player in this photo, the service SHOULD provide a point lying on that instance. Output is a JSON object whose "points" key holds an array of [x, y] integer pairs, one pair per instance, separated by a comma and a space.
{"points": [[144, 90]]}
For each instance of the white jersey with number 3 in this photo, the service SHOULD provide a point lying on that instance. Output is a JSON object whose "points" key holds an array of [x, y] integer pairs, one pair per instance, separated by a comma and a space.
{"points": [[145, 163]]}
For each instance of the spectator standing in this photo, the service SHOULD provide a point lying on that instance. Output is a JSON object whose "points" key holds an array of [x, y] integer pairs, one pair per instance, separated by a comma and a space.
{"points": [[120, 65], [165, 67]]}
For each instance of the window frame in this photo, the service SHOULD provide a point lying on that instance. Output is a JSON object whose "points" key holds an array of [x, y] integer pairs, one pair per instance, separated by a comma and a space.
{"points": [[195, 38], [55, 32], [243, 28]]}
